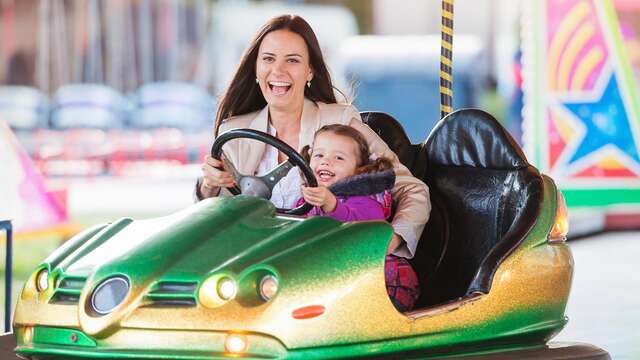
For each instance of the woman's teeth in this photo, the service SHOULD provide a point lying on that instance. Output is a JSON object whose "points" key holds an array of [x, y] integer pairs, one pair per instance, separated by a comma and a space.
{"points": [[279, 87], [279, 83]]}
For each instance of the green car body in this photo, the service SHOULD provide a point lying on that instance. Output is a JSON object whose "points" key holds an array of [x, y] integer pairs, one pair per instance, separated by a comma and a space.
{"points": [[330, 302]]}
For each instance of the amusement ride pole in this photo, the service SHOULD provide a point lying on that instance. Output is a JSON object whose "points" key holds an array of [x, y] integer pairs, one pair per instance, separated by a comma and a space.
{"points": [[446, 59], [43, 80], [94, 68], [145, 41], [60, 49]]}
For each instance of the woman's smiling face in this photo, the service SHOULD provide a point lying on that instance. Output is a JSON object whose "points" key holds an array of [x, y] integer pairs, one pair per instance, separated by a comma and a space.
{"points": [[283, 69]]}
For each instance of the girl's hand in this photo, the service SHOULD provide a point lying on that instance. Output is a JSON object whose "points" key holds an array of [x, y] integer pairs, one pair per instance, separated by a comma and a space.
{"points": [[320, 196], [214, 177]]}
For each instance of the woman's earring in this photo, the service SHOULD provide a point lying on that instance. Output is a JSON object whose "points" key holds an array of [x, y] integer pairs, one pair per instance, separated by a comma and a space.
{"points": [[309, 83], [257, 81]]}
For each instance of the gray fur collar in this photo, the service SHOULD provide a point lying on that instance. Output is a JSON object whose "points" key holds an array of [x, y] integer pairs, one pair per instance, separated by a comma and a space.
{"points": [[364, 184]]}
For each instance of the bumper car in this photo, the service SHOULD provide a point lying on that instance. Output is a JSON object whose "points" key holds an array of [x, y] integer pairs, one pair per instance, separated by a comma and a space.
{"points": [[237, 278]]}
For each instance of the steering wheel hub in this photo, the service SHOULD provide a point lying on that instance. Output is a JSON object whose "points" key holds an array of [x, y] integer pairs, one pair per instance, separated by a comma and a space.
{"points": [[262, 186]]}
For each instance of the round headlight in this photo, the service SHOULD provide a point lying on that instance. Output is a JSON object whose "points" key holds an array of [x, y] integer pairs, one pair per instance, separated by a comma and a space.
{"points": [[27, 336], [227, 288], [236, 343], [268, 287], [108, 295], [42, 280]]}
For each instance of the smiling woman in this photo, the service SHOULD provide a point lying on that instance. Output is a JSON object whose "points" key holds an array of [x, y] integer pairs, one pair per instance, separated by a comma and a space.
{"points": [[282, 87]]}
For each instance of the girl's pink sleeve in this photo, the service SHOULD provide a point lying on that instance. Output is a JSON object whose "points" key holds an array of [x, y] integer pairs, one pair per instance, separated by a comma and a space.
{"points": [[357, 208]]}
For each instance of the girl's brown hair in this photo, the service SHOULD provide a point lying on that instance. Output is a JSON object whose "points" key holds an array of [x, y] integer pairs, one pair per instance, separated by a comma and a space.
{"points": [[364, 164], [243, 94]]}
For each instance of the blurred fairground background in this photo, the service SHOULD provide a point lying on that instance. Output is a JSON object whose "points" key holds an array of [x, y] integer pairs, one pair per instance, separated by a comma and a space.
{"points": [[107, 107]]}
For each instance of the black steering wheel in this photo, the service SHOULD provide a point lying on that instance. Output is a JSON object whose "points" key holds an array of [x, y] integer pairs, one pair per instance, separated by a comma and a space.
{"points": [[262, 186]]}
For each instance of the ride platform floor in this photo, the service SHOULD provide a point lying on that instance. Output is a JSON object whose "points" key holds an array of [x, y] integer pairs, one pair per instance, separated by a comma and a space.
{"points": [[7, 344]]}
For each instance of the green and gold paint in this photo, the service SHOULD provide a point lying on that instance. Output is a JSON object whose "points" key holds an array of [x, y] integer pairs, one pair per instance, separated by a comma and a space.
{"points": [[317, 261]]}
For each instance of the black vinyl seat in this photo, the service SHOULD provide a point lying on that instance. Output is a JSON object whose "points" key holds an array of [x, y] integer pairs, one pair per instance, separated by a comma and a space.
{"points": [[490, 194], [390, 130], [485, 199]]}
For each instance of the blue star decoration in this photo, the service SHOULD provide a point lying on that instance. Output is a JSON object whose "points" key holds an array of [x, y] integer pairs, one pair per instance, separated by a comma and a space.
{"points": [[606, 122]]}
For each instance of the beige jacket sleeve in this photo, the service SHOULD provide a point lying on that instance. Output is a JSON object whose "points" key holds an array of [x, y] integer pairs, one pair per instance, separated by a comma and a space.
{"points": [[410, 195]]}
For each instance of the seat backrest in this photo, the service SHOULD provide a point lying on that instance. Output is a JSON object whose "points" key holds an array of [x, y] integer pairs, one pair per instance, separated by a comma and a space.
{"points": [[23, 108], [390, 130], [485, 198], [490, 197], [182, 105], [87, 105]]}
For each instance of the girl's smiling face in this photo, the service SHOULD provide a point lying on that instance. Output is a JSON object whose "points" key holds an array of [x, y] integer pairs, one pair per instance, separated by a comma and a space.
{"points": [[283, 69], [333, 158]]}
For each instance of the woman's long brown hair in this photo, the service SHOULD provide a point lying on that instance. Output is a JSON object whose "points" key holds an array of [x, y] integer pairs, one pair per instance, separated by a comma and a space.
{"points": [[243, 94]]}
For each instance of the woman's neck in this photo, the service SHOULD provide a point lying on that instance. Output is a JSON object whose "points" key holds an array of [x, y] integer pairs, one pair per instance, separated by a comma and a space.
{"points": [[285, 122]]}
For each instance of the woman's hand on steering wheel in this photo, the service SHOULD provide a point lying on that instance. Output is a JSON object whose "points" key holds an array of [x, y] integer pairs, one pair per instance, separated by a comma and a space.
{"points": [[215, 176]]}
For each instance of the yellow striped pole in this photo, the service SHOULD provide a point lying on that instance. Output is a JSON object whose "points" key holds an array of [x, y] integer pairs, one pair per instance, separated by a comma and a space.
{"points": [[446, 58]]}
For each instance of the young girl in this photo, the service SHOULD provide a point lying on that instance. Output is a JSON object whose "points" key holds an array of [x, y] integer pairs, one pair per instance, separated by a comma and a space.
{"points": [[352, 187]]}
